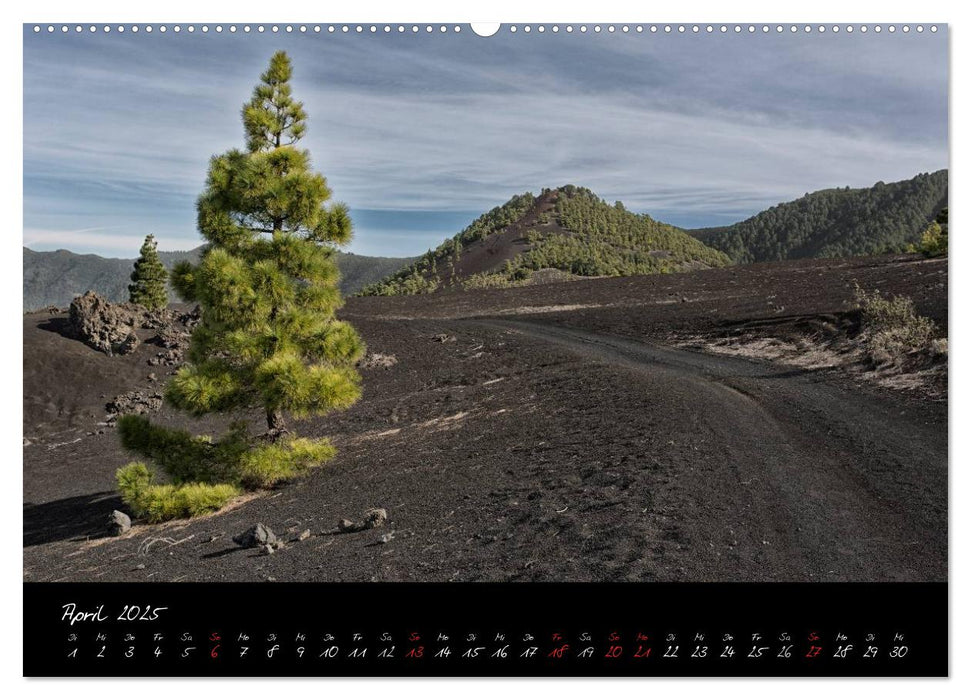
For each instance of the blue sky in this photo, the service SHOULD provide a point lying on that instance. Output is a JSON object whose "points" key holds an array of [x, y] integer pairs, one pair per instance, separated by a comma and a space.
{"points": [[421, 133]]}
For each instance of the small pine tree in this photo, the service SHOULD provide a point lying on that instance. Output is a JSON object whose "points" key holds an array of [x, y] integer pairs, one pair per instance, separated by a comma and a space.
{"points": [[268, 337], [933, 241], [149, 278]]}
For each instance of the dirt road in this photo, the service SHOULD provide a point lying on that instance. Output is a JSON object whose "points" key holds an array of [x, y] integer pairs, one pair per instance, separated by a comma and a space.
{"points": [[794, 471]]}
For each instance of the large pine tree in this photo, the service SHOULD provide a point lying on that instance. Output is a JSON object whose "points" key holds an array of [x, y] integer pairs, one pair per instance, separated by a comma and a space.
{"points": [[268, 338], [268, 281], [149, 278]]}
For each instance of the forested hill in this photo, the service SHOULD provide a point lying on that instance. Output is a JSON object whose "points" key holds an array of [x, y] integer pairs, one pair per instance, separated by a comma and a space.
{"points": [[563, 233], [56, 277], [840, 222]]}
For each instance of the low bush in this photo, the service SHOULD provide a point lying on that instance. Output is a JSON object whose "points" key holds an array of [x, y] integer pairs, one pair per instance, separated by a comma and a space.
{"points": [[891, 327], [933, 242], [206, 474], [267, 465], [159, 502]]}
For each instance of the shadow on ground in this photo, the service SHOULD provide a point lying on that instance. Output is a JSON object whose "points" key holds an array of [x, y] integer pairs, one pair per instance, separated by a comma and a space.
{"points": [[79, 517], [61, 326]]}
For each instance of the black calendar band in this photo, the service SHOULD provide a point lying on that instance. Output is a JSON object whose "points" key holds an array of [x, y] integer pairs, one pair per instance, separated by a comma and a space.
{"points": [[485, 629]]}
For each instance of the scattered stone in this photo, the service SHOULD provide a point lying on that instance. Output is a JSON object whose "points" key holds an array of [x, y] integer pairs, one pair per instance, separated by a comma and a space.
{"points": [[386, 537], [443, 338], [151, 377], [376, 359], [133, 402], [170, 358], [139, 566], [27, 443], [118, 523], [256, 536], [128, 345], [267, 549], [303, 536], [376, 517]]}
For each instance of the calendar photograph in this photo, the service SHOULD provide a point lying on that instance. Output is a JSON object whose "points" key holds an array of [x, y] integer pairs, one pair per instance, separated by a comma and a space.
{"points": [[557, 309]]}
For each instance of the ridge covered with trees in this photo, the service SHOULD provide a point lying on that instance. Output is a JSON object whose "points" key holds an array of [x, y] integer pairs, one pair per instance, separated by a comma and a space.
{"points": [[56, 277], [840, 222], [568, 231]]}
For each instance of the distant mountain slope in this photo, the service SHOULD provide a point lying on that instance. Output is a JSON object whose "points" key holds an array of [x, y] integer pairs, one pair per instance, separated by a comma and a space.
{"points": [[565, 232], [55, 278], [835, 223]]}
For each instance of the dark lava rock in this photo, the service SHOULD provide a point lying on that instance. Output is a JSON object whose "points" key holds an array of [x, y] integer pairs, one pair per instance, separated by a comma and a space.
{"points": [[110, 327], [376, 517], [118, 523], [257, 536], [107, 327], [139, 402]]}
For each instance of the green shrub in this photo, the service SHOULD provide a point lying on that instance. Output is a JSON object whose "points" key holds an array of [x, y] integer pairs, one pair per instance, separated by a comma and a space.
{"points": [[183, 456], [495, 280], [272, 463], [206, 474], [159, 502], [933, 242], [891, 327]]}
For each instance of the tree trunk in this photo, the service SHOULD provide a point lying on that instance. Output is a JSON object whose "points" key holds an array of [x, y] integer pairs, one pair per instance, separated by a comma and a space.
{"points": [[276, 423]]}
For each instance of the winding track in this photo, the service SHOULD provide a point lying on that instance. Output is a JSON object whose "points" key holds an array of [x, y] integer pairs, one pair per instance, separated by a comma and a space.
{"points": [[798, 474]]}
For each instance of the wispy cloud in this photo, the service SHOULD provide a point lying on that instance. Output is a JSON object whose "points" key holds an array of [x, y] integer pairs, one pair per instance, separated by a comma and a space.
{"points": [[102, 241], [695, 130]]}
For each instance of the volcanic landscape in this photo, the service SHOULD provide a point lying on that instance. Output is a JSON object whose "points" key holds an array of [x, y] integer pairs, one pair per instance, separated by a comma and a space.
{"points": [[700, 426]]}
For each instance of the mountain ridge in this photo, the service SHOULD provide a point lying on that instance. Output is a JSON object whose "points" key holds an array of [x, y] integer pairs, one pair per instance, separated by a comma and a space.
{"points": [[564, 233], [835, 222], [54, 278]]}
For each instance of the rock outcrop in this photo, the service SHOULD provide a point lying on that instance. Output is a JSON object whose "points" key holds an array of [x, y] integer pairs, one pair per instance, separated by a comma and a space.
{"points": [[109, 328], [140, 402], [113, 328]]}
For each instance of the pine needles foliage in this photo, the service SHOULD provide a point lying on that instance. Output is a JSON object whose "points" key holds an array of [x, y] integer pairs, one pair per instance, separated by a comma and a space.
{"points": [[149, 278], [933, 241], [269, 337]]}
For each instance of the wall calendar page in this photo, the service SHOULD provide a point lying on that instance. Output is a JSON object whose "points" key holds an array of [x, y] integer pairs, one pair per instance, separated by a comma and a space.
{"points": [[526, 349]]}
